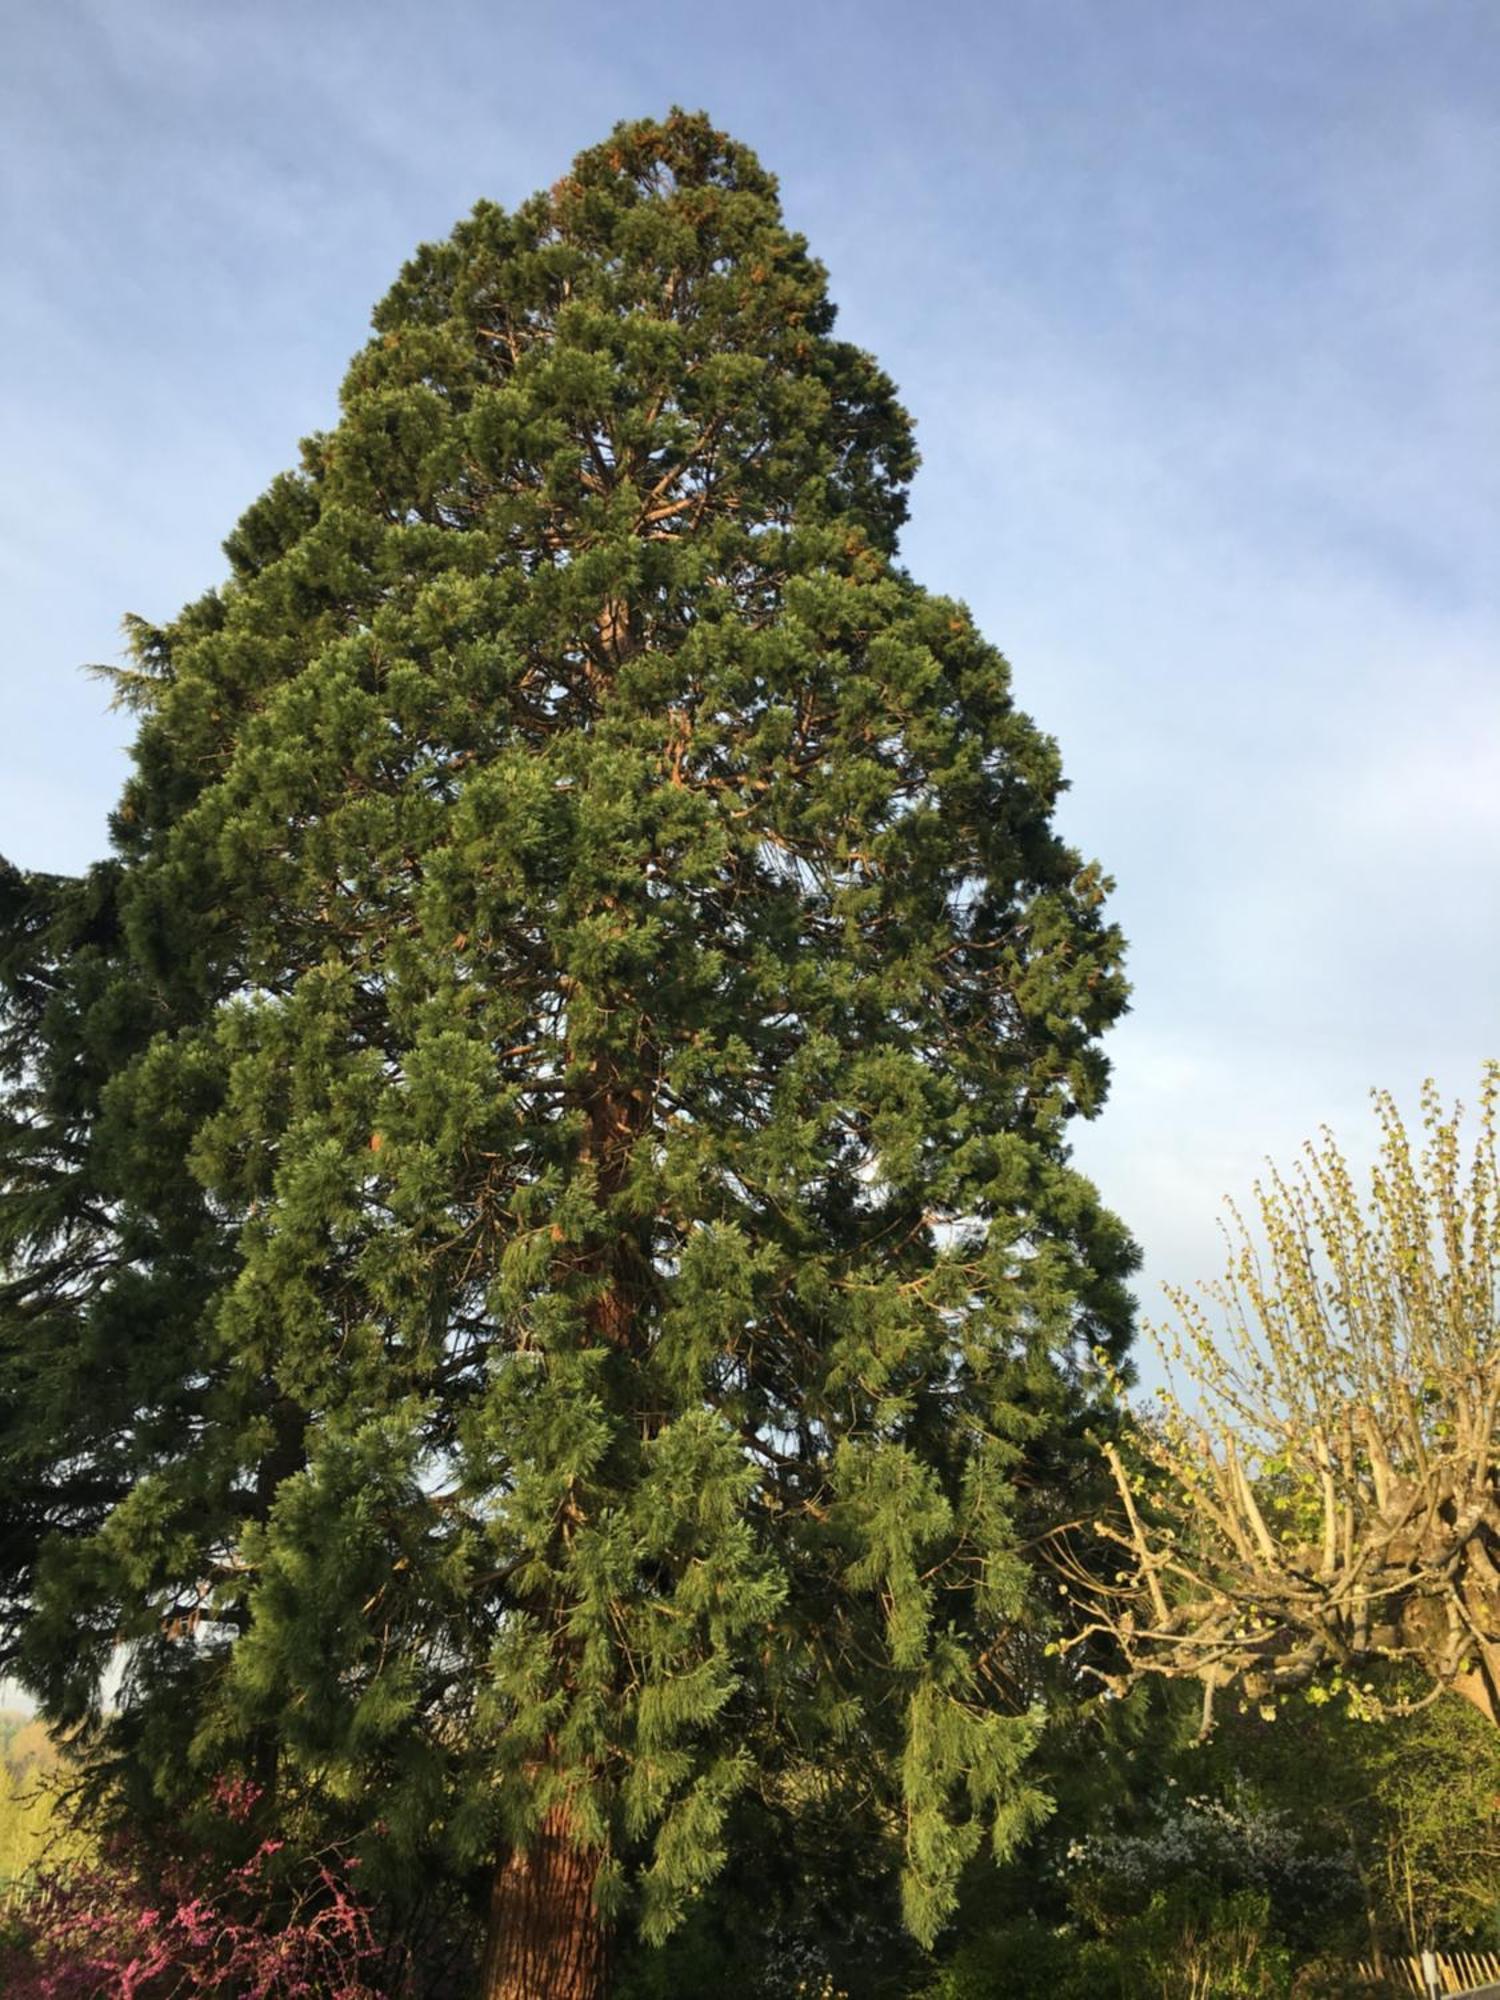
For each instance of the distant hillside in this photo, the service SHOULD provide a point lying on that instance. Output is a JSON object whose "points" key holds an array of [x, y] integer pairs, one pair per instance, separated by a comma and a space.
{"points": [[25, 1746], [30, 1825]]}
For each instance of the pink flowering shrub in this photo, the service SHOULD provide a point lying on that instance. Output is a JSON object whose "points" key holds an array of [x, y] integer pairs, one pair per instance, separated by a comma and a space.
{"points": [[259, 1931]]}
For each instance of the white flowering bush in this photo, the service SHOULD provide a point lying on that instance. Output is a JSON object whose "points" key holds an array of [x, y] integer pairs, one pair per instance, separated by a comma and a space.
{"points": [[1224, 1844]]}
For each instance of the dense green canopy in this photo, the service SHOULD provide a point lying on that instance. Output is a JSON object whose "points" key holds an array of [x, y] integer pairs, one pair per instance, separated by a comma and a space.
{"points": [[545, 1273]]}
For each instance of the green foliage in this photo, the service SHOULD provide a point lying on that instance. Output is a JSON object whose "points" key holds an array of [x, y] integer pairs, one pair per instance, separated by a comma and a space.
{"points": [[1183, 1944], [808, 1901], [36, 1828], [1178, 1946], [547, 1272], [1282, 1853], [1412, 1804]]}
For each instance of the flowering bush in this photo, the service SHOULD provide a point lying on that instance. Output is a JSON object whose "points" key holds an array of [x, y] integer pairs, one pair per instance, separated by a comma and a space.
{"points": [[1227, 1844], [260, 1931]]}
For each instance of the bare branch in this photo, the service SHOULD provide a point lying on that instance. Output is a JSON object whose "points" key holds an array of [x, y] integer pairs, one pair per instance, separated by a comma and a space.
{"points": [[1324, 1494]]}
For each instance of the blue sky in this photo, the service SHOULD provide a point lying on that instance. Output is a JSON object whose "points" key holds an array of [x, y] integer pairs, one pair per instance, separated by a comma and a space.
{"points": [[1197, 307]]}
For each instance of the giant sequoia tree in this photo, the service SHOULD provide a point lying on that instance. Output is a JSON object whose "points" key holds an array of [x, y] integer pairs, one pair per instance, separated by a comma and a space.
{"points": [[545, 1284]]}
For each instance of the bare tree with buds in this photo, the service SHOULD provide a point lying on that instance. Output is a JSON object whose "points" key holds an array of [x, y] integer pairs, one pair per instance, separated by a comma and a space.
{"points": [[1318, 1490]]}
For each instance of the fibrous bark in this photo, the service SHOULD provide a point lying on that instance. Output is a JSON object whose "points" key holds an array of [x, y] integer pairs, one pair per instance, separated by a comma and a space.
{"points": [[546, 1939]]}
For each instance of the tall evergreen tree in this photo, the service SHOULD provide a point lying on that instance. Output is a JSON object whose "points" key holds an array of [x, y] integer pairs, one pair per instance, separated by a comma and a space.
{"points": [[544, 1210]]}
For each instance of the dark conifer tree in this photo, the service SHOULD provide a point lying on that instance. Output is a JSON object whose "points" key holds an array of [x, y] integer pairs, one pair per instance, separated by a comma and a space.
{"points": [[545, 1278]]}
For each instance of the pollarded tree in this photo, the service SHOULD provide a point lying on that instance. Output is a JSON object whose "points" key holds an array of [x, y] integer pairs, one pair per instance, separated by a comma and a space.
{"points": [[1317, 1504], [613, 1002]]}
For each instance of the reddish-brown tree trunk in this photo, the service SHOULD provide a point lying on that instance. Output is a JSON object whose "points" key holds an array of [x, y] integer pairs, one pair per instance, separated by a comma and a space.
{"points": [[546, 1940]]}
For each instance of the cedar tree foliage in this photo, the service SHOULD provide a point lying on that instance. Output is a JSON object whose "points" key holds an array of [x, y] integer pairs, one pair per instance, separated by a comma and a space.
{"points": [[544, 1281]]}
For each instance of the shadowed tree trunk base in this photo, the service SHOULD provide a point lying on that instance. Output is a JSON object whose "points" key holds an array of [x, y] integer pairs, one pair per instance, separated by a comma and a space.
{"points": [[546, 1941]]}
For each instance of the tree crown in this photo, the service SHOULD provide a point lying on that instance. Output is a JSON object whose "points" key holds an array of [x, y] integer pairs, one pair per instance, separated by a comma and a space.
{"points": [[577, 1206]]}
